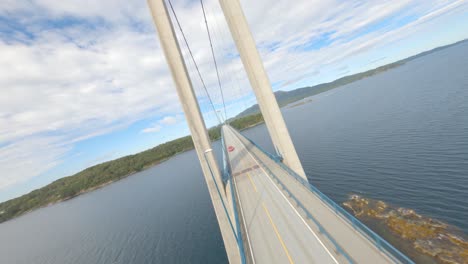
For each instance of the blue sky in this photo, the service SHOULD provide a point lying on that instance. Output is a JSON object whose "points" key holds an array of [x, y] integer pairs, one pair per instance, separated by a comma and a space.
{"points": [[85, 81]]}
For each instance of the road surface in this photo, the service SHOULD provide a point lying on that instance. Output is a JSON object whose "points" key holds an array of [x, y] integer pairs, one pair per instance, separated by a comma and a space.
{"points": [[274, 228]]}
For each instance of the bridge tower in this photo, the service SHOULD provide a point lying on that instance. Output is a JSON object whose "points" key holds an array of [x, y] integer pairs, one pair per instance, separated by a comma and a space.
{"points": [[261, 84], [196, 124], [266, 100]]}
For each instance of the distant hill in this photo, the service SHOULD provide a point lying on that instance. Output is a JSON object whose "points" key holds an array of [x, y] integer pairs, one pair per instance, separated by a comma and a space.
{"points": [[286, 97], [105, 173]]}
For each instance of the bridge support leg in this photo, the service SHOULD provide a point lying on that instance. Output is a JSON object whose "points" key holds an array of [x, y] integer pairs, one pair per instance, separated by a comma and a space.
{"points": [[260, 84], [195, 122]]}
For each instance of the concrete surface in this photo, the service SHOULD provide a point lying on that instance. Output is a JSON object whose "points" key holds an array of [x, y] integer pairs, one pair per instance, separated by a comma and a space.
{"points": [[275, 229]]}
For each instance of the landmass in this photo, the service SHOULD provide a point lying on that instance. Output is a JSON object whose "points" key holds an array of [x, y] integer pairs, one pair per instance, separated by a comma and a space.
{"points": [[105, 173], [287, 97], [424, 239]]}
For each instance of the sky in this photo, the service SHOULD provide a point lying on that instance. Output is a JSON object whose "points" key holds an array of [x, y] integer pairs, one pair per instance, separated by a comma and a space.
{"points": [[83, 82]]}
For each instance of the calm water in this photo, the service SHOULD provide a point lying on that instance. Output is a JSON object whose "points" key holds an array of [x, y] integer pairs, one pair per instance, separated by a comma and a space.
{"points": [[401, 136]]}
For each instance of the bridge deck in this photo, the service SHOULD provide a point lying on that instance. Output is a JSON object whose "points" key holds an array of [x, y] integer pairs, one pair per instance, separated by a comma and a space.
{"points": [[274, 228]]}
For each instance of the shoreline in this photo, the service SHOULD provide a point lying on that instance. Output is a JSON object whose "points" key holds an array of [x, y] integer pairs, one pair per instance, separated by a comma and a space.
{"points": [[422, 238], [94, 188]]}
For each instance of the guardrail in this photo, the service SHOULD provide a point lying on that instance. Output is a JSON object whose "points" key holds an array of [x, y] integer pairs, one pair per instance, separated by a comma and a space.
{"points": [[227, 173], [380, 243], [308, 214], [226, 170]]}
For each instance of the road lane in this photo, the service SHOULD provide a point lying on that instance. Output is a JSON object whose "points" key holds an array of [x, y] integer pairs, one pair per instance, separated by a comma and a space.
{"points": [[356, 245], [277, 233]]}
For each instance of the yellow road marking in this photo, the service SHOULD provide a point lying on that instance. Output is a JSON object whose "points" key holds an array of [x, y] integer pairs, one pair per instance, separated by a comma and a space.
{"points": [[272, 223], [278, 235], [251, 181]]}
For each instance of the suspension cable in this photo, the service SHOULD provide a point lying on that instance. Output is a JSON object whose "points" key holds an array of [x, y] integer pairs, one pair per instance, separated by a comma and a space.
{"points": [[195, 63], [214, 59]]}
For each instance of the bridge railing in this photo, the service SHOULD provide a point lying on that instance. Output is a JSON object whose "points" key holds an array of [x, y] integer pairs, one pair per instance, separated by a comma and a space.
{"points": [[226, 175], [379, 242], [338, 248]]}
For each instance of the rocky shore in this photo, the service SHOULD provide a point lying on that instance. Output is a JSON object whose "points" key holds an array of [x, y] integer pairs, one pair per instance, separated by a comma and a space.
{"points": [[416, 235]]}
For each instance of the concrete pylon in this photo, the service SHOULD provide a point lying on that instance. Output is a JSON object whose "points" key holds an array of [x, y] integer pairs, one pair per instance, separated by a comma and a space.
{"points": [[261, 84], [195, 122]]}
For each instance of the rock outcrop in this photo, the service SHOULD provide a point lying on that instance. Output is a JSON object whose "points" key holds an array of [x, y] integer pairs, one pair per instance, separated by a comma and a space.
{"points": [[427, 236]]}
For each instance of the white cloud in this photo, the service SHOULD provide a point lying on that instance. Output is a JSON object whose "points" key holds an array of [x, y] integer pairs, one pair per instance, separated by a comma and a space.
{"points": [[168, 120], [165, 121], [69, 84], [72, 70], [309, 20], [36, 154], [152, 129]]}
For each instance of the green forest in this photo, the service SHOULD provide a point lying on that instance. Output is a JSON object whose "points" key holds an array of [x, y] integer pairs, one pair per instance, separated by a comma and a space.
{"points": [[107, 172]]}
